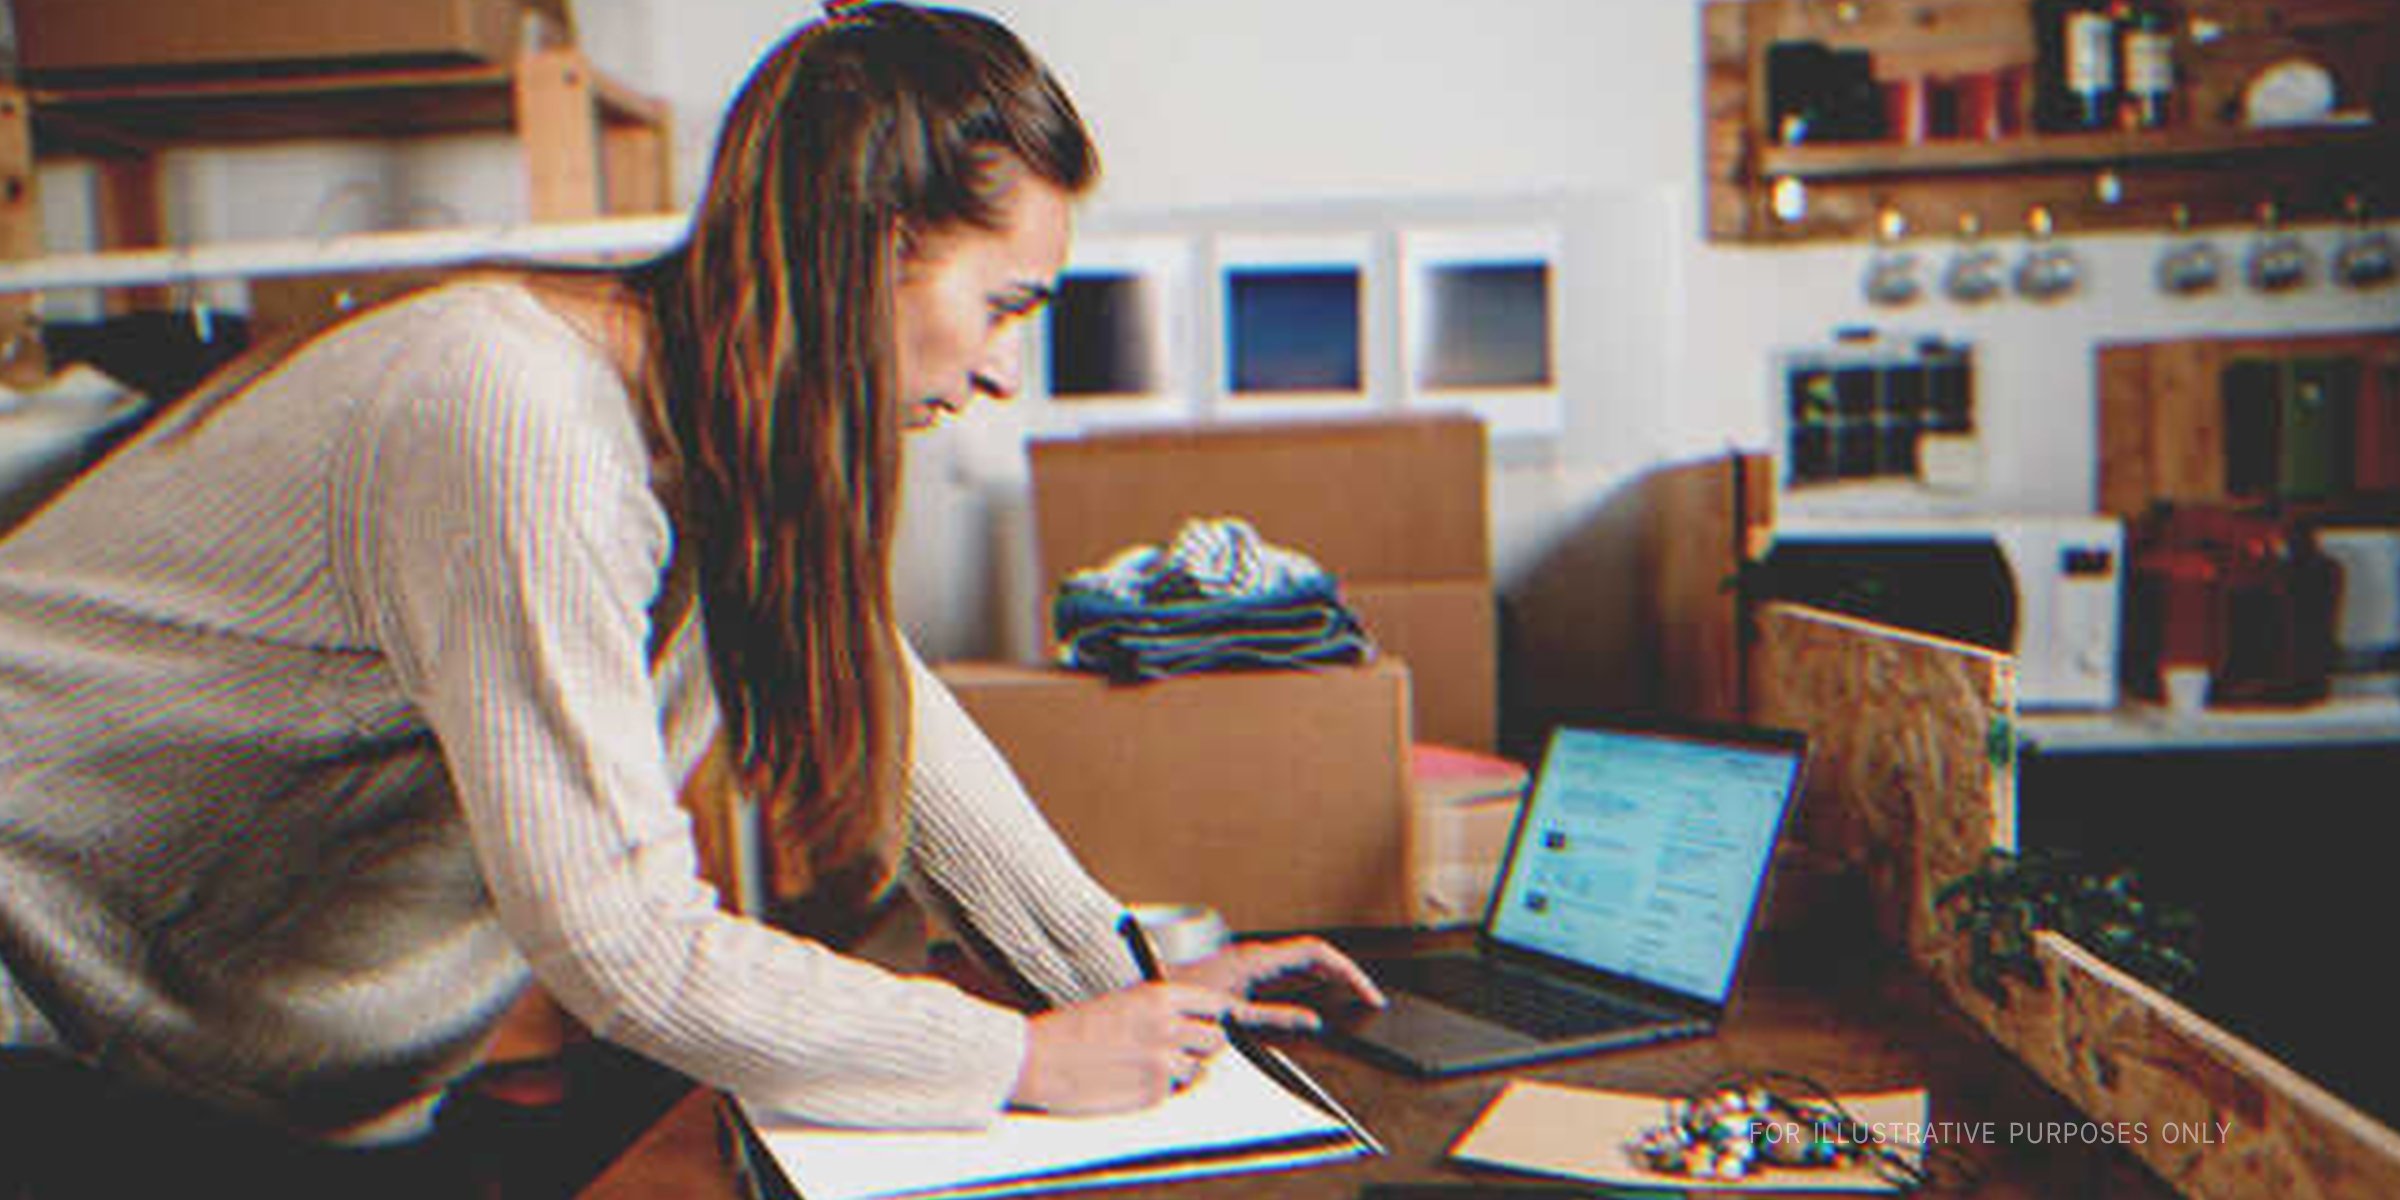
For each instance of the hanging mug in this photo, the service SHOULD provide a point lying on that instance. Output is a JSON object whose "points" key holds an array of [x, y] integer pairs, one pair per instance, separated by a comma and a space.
{"points": [[1976, 272], [2365, 257], [2192, 266], [1891, 279], [2049, 271], [2279, 261]]}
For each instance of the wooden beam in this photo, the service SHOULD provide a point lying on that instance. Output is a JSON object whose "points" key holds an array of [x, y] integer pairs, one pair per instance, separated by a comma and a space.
{"points": [[1701, 522], [21, 358], [558, 125], [2124, 404], [638, 166], [132, 213], [1727, 93]]}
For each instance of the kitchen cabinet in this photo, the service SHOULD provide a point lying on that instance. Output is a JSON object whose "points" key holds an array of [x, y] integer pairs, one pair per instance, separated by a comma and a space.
{"points": [[2174, 422]]}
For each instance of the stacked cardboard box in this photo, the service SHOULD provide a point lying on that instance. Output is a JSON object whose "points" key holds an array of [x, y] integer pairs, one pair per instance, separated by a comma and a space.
{"points": [[1281, 798], [1394, 507], [1466, 811]]}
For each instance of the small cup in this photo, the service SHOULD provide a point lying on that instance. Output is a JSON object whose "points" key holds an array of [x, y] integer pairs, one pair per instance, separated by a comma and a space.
{"points": [[2187, 688]]}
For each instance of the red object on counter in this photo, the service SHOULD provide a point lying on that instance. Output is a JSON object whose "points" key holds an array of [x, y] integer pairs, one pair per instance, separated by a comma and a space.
{"points": [[2247, 595]]}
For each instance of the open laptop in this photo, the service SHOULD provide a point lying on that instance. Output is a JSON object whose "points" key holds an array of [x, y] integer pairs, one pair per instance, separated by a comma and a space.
{"points": [[1621, 913]]}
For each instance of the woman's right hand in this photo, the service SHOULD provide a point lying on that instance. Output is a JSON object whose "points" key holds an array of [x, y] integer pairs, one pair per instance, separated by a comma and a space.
{"points": [[1124, 1050]]}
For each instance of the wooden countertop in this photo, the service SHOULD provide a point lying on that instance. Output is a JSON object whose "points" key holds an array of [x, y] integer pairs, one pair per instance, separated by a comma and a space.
{"points": [[1852, 1021]]}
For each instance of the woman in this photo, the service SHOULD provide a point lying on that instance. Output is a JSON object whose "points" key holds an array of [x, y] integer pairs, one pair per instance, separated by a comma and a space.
{"points": [[363, 686]]}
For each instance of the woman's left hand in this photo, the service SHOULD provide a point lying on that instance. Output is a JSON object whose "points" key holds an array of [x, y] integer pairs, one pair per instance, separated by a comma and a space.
{"points": [[1240, 968]]}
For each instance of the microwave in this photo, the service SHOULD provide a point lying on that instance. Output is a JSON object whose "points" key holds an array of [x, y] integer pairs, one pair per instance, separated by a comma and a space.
{"points": [[2046, 590]]}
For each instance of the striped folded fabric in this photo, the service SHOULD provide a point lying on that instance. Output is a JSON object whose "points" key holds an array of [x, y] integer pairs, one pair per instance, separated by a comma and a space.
{"points": [[1215, 597]]}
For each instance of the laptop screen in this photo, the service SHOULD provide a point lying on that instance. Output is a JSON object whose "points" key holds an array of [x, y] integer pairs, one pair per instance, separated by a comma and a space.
{"points": [[1642, 854]]}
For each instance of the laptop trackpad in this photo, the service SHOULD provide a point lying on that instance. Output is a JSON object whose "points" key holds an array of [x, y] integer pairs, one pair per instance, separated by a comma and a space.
{"points": [[1427, 1033]]}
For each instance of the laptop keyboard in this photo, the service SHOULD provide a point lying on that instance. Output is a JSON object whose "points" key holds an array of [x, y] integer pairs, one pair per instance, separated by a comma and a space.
{"points": [[1519, 1000]]}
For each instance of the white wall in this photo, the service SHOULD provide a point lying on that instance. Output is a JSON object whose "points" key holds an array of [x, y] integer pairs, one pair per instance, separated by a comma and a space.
{"points": [[1201, 104]]}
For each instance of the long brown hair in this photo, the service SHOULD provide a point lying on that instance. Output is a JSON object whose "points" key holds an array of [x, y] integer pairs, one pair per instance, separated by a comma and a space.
{"points": [[771, 380]]}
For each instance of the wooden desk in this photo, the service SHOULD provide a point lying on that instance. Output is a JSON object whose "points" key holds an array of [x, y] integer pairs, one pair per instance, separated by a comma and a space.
{"points": [[1864, 1026]]}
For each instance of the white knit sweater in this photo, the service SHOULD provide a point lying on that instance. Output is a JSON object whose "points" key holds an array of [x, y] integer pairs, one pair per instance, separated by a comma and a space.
{"points": [[325, 718]]}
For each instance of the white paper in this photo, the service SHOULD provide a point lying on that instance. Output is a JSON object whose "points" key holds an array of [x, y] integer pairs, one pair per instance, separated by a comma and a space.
{"points": [[1582, 1133], [1232, 1104]]}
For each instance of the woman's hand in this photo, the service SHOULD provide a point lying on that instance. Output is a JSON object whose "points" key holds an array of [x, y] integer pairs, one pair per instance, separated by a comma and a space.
{"points": [[1241, 968], [1124, 1050]]}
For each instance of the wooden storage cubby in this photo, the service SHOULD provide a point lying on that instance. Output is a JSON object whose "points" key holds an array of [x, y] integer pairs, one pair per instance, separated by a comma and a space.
{"points": [[591, 147], [2163, 435], [2203, 160]]}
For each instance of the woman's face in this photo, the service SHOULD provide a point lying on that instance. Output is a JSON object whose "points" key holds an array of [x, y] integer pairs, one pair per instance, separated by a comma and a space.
{"points": [[962, 294]]}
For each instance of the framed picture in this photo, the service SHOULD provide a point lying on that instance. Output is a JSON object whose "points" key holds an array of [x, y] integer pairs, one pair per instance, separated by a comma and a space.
{"points": [[1116, 339], [1294, 334], [1480, 314]]}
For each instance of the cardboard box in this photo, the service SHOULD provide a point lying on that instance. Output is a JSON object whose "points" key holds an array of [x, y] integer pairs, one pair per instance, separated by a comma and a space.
{"points": [[1447, 633], [1453, 890], [1466, 810], [1394, 507], [1281, 798], [66, 38]]}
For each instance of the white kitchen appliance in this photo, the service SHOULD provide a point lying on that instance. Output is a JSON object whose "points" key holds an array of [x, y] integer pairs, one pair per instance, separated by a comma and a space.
{"points": [[2046, 589]]}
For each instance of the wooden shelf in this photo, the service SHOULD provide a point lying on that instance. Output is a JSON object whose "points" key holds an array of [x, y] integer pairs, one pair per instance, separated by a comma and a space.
{"points": [[2203, 165], [146, 116], [2076, 152], [591, 147]]}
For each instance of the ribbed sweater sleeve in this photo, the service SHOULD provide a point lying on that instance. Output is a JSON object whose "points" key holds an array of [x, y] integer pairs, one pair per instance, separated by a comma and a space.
{"points": [[982, 856], [505, 549]]}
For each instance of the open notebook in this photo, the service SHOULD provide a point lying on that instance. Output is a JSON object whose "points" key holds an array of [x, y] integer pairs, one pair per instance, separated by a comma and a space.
{"points": [[1233, 1118]]}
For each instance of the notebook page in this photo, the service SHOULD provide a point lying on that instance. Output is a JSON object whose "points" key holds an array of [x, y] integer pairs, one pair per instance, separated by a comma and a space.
{"points": [[1231, 1104]]}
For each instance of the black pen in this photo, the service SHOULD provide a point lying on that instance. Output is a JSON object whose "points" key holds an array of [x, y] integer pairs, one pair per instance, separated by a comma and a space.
{"points": [[1144, 959], [1279, 1068]]}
